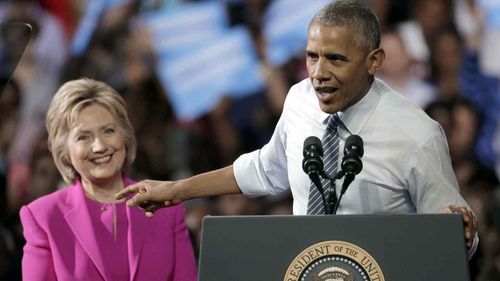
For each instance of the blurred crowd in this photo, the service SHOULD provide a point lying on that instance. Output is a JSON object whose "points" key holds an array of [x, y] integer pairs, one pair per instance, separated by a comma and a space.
{"points": [[441, 54]]}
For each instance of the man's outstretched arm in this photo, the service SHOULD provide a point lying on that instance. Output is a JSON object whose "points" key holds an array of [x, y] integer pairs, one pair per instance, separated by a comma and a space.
{"points": [[152, 195]]}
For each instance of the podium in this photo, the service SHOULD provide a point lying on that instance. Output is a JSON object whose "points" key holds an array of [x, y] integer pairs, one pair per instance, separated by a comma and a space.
{"points": [[410, 247]]}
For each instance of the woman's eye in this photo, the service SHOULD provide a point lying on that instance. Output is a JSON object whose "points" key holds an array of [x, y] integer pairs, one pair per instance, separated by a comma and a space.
{"points": [[109, 130], [82, 137]]}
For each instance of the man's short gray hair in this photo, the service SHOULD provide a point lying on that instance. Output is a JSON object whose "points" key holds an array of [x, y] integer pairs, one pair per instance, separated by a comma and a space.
{"points": [[360, 18]]}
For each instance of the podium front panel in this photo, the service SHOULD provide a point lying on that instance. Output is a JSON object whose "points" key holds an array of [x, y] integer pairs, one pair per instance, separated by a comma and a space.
{"points": [[409, 247]]}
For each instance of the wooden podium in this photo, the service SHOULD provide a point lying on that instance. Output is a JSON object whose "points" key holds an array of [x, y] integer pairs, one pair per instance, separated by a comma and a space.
{"points": [[409, 247]]}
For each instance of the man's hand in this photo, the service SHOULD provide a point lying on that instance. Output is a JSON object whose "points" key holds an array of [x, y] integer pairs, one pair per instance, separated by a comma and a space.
{"points": [[152, 195], [470, 222], [149, 195]]}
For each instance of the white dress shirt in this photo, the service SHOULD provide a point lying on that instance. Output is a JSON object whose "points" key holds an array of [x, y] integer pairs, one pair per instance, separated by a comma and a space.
{"points": [[406, 164]]}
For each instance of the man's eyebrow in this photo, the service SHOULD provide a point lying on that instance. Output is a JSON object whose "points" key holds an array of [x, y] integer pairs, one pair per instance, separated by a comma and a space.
{"points": [[330, 56], [336, 56]]}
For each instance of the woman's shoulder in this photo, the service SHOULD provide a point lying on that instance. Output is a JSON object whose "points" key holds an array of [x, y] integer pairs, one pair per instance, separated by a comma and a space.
{"points": [[49, 201]]}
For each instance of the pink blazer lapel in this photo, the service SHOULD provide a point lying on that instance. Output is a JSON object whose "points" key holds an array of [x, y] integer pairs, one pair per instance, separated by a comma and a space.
{"points": [[79, 220], [138, 229]]}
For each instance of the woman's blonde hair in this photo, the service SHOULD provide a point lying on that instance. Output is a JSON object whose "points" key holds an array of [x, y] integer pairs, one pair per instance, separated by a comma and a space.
{"points": [[70, 99]]}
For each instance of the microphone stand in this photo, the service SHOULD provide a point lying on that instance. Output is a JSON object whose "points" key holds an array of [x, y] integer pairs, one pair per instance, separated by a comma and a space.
{"points": [[349, 178], [331, 203], [332, 194], [314, 176]]}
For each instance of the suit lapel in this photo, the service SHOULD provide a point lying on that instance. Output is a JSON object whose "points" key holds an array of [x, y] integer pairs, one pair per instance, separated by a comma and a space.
{"points": [[138, 227], [78, 219]]}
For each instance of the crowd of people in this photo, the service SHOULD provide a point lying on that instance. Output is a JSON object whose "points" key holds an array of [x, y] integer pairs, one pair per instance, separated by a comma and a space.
{"points": [[434, 57]]}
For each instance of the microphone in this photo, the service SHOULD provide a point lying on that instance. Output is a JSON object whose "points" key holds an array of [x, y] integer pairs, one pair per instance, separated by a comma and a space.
{"points": [[353, 151], [351, 163], [312, 164], [313, 156]]}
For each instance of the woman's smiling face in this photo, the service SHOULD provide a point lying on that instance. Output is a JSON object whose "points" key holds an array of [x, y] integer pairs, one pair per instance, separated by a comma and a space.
{"points": [[96, 145]]}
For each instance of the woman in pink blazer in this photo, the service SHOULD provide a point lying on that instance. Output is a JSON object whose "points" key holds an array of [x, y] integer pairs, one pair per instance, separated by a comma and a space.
{"points": [[82, 232]]}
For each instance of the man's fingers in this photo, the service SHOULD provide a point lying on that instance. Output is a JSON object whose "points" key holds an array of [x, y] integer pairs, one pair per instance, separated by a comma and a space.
{"points": [[446, 210], [468, 233], [470, 222], [456, 209], [149, 207], [131, 189], [172, 202], [139, 199], [467, 217]]}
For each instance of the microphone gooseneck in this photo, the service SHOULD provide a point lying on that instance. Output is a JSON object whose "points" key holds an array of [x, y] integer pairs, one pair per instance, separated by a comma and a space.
{"points": [[312, 164], [351, 163]]}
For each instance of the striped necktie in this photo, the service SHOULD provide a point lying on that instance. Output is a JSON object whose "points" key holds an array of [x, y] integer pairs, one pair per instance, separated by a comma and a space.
{"points": [[330, 144]]}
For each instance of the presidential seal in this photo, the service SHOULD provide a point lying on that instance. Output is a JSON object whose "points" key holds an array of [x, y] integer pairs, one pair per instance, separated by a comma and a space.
{"points": [[334, 261]]}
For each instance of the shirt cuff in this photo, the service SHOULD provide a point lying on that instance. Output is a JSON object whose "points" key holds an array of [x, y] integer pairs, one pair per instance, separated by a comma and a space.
{"points": [[247, 173]]}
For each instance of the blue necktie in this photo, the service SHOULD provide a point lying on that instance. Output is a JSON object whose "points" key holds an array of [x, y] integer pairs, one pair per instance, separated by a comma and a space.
{"points": [[330, 144]]}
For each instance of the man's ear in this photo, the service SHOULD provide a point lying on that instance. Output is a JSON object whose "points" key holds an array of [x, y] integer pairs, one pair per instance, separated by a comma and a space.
{"points": [[374, 60]]}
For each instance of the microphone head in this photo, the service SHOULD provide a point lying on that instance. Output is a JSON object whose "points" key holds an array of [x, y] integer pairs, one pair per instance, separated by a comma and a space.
{"points": [[312, 143], [313, 156], [354, 145], [353, 151]]}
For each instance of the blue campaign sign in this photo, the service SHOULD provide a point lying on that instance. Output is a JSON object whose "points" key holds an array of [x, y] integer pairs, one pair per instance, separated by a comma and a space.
{"points": [[88, 24], [196, 78], [285, 27], [491, 9], [186, 24], [85, 30]]}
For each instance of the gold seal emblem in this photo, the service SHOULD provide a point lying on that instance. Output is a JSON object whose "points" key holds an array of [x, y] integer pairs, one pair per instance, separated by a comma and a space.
{"points": [[334, 261]]}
